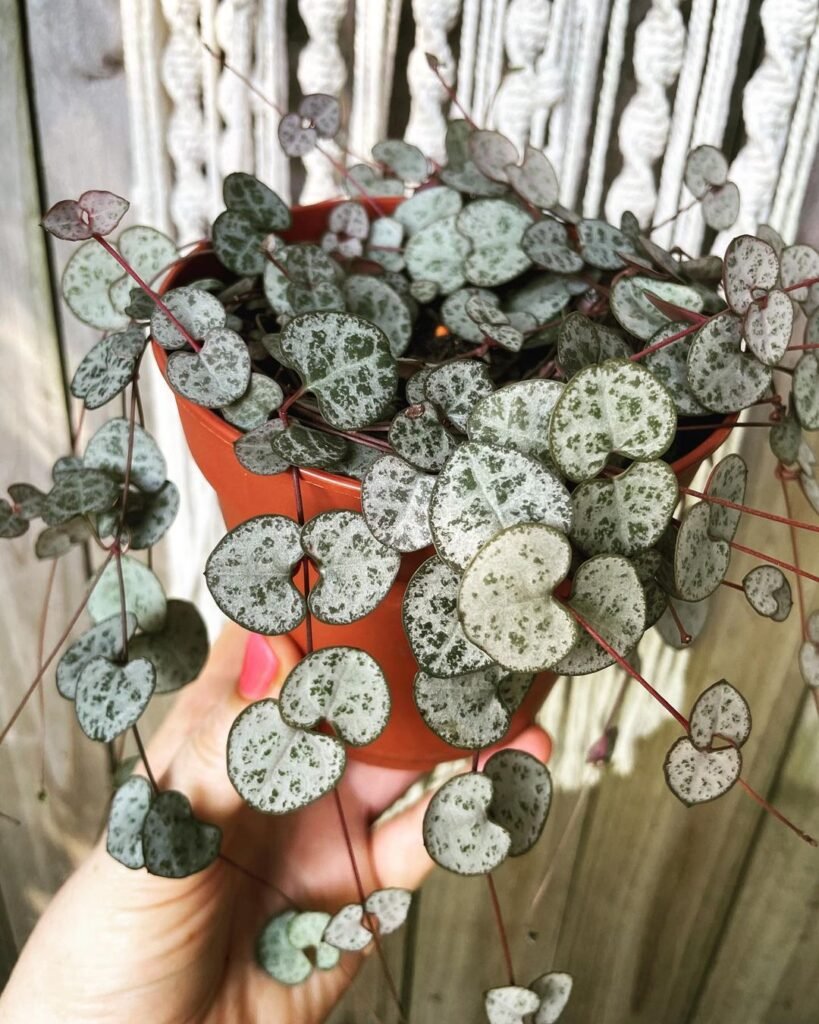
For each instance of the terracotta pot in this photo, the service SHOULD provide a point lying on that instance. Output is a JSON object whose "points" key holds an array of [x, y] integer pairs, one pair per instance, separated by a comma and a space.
{"points": [[407, 742]]}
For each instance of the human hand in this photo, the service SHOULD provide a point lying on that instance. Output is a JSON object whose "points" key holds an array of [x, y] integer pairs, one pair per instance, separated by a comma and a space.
{"points": [[119, 945]]}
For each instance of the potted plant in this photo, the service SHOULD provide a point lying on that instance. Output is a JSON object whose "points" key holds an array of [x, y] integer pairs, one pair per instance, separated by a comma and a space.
{"points": [[450, 424]]}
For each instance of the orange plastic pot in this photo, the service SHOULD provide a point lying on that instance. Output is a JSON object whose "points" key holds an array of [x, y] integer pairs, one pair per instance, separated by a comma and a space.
{"points": [[407, 742]]}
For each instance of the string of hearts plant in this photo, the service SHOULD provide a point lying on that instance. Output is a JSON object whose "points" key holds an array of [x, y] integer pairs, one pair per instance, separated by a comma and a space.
{"points": [[510, 382]]}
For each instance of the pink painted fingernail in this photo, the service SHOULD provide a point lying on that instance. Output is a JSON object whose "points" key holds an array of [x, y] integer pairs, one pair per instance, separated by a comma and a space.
{"points": [[258, 669]]}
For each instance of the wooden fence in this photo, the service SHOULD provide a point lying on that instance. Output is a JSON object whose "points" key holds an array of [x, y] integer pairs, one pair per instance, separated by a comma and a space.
{"points": [[662, 914]]}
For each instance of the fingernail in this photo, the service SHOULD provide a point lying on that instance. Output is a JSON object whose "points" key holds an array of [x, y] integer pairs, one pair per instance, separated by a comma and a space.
{"points": [[258, 669]]}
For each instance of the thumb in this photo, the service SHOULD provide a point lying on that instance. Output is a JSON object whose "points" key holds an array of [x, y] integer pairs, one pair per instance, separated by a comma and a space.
{"points": [[199, 768]]}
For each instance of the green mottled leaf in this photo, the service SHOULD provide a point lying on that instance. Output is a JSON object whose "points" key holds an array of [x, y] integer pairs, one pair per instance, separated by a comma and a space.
{"points": [[373, 299], [262, 397], [455, 388], [546, 243], [216, 375], [418, 436], [649, 567], [346, 362], [249, 574], [277, 956], [342, 686], [144, 595], [405, 161], [276, 768], [108, 367], [179, 650], [635, 311], [355, 569], [521, 797], [175, 843], [607, 593], [458, 833], [298, 445], [111, 698], [625, 514], [432, 626], [581, 342], [601, 244], [11, 523], [64, 466], [126, 820], [437, 253], [148, 252], [468, 710], [257, 453], [670, 366], [806, 391], [198, 311], [104, 640], [250, 196], [517, 416], [427, 207], [750, 266], [29, 501], [482, 489], [305, 931], [614, 407], [108, 451], [505, 601], [454, 313], [78, 494], [727, 480], [395, 502], [492, 153], [700, 562], [721, 375], [768, 592], [88, 275], [785, 438], [544, 297], [696, 776], [495, 229]]}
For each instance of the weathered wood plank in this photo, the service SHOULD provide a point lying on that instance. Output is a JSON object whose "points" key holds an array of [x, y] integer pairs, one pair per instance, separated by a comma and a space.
{"points": [[37, 855]]}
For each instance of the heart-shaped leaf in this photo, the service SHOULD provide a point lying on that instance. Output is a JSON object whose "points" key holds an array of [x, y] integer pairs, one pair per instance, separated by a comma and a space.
{"points": [[468, 710], [492, 153], [455, 316], [625, 514], [689, 616], [108, 451], [427, 207], [361, 179], [111, 698], [806, 391], [768, 592], [581, 342], [697, 776], [543, 297], [800, 263], [197, 310], [276, 954], [546, 243], [505, 601], [517, 416], [94, 213], [510, 1004], [262, 397], [108, 367], [346, 362], [785, 438], [357, 460], [126, 820], [390, 907], [721, 375], [276, 768], [727, 481], [373, 299], [534, 180], [104, 640], [246, 194], [402, 159], [455, 388], [638, 314], [720, 206], [809, 653], [458, 832], [342, 686], [705, 166], [298, 445], [323, 113], [29, 501], [179, 650], [384, 245], [249, 574], [175, 843], [602, 244], [148, 252], [395, 501], [12, 524], [482, 489], [78, 494], [295, 137], [253, 212], [521, 796], [144, 595], [258, 451], [554, 990], [461, 172], [346, 929], [305, 931], [750, 267], [700, 562], [419, 437], [614, 407], [649, 568], [608, 594], [437, 253], [495, 229], [670, 366], [65, 466], [355, 569], [719, 713], [494, 325], [432, 625], [423, 291], [216, 375], [88, 275]]}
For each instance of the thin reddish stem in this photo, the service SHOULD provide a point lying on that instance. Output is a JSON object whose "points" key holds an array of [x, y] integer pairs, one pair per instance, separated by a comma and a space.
{"points": [[685, 636], [507, 952], [732, 585], [793, 523], [225, 63], [342, 170], [800, 592], [453, 96], [729, 426], [666, 341], [41, 638], [808, 281], [775, 561], [763, 803], [129, 270], [674, 216]]}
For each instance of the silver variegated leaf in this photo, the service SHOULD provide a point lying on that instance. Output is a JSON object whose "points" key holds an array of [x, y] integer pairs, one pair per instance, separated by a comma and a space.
{"points": [[390, 908], [637, 313], [482, 489], [29, 501], [785, 438], [670, 366], [144, 595], [342, 686], [111, 698], [276, 768], [78, 494], [697, 776], [125, 822], [175, 843], [298, 445], [494, 228], [801, 263], [364, 180], [468, 710], [543, 297], [258, 452], [108, 451], [427, 207], [689, 616], [806, 391], [517, 416], [455, 387], [12, 524], [534, 180], [581, 342], [546, 243], [87, 278], [510, 1004], [506, 604], [521, 796], [249, 574], [705, 167], [402, 159], [727, 481], [276, 954], [148, 252], [395, 501], [374, 300], [492, 153], [216, 375], [750, 266], [179, 650], [554, 990], [720, 715], [384, 245], [768, 592], [437, 253], [454, 312], [419, 437], [108, 367], [458, 832], [104, 640], [700, 562], [262, 397], [197, 310], [95, 212], [346, 929], [720, 206], [613, 407], [721, 375], [355, 569], [602, 244], [768, 326], [305, 931]]}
